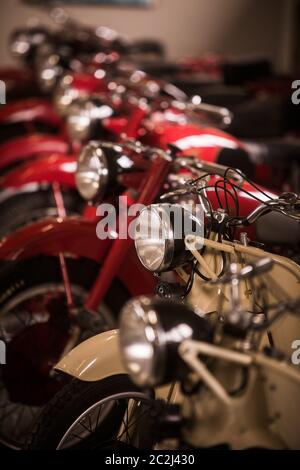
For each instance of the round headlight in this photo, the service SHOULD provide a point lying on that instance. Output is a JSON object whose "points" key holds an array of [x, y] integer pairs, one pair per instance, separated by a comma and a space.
{"points": [[92, 171], [150, 332], [49, 69], [160, 230], [64, 95], [83, 114]]}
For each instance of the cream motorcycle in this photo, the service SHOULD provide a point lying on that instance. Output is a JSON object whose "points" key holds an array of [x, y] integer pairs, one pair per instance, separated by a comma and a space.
{"points": [[103, 407]]}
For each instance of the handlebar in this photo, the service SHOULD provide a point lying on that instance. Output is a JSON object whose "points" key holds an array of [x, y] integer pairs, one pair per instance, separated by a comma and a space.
{"points": [[287, 204]]}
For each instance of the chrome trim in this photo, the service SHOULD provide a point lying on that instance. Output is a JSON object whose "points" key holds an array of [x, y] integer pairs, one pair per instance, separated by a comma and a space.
{"points": [[169, 241], [26, 188], [143, 308]]}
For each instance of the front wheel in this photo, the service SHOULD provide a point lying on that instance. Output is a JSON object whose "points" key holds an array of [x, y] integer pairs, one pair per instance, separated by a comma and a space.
{"points": [[110, 413], [36, 326]]}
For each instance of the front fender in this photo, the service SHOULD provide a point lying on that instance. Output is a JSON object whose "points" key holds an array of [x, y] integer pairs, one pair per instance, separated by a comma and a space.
{"points": [[28, 110], [99, 357], [53, 168], [22, 148], [76, 237], [73, 235], [94, 359]]}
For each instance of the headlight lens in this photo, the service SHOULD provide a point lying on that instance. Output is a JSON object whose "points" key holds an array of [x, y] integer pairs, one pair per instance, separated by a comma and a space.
{"points": [[49, 69], [139, 341], [64, 95], [92, 171], [159, 236], [154, 239], [150, 333], [82, 114]]}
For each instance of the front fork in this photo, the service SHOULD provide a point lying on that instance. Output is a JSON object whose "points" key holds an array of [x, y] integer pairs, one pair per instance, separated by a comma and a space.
{"points": [[121, 247], [61, 211]]}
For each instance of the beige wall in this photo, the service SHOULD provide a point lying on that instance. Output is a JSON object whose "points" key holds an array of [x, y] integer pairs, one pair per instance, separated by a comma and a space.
{"points": [[185, 26]]}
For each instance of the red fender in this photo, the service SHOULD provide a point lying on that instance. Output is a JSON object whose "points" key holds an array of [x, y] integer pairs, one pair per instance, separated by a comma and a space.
{"points": [[53, 168], [77, 237], [22, 148], [28, 110], [14, 73]]}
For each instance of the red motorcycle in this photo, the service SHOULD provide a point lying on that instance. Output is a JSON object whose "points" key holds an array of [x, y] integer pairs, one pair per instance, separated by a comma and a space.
{"points": [[23, 44], [32, 128], [28, 189], [51, 53], [60, 283]]}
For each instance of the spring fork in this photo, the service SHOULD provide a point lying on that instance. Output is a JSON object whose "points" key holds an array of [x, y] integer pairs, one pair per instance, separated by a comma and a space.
{"points": [[61, 210]]}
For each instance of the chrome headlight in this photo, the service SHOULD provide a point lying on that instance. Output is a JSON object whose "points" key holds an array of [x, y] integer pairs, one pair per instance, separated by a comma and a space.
{"points": [[65, 95], [92, 171], [48, 69], [83, 114], [160, 230], [100, 167], [150, 332]]}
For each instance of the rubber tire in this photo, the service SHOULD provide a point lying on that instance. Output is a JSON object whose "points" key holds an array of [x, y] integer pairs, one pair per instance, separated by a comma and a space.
{"points": [[68, 404], [17, 210], [16, 277]]}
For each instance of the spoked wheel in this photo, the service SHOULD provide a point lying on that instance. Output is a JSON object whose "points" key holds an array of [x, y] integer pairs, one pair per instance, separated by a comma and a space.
{"points": [[37, 328], [110, 413]]}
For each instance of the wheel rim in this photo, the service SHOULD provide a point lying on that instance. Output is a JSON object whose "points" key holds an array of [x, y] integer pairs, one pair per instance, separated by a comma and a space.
{"points": [[35, 326], [111, 422]]}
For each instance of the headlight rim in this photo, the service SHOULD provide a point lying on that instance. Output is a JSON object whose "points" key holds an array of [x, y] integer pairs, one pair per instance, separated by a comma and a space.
{"points": [[88, 107], [176, 254], [145, 305], [169, 242], [43, 64], [92, 147], [62, 89], [176, 322]]}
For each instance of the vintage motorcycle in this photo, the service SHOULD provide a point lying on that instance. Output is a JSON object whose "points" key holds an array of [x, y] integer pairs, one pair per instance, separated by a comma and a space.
{"points": [[67, 255], [158, 341], [56, 272], [29, 190], [158, 122], [234, 389], [51, 53], [39, 114], [23, 44]]}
